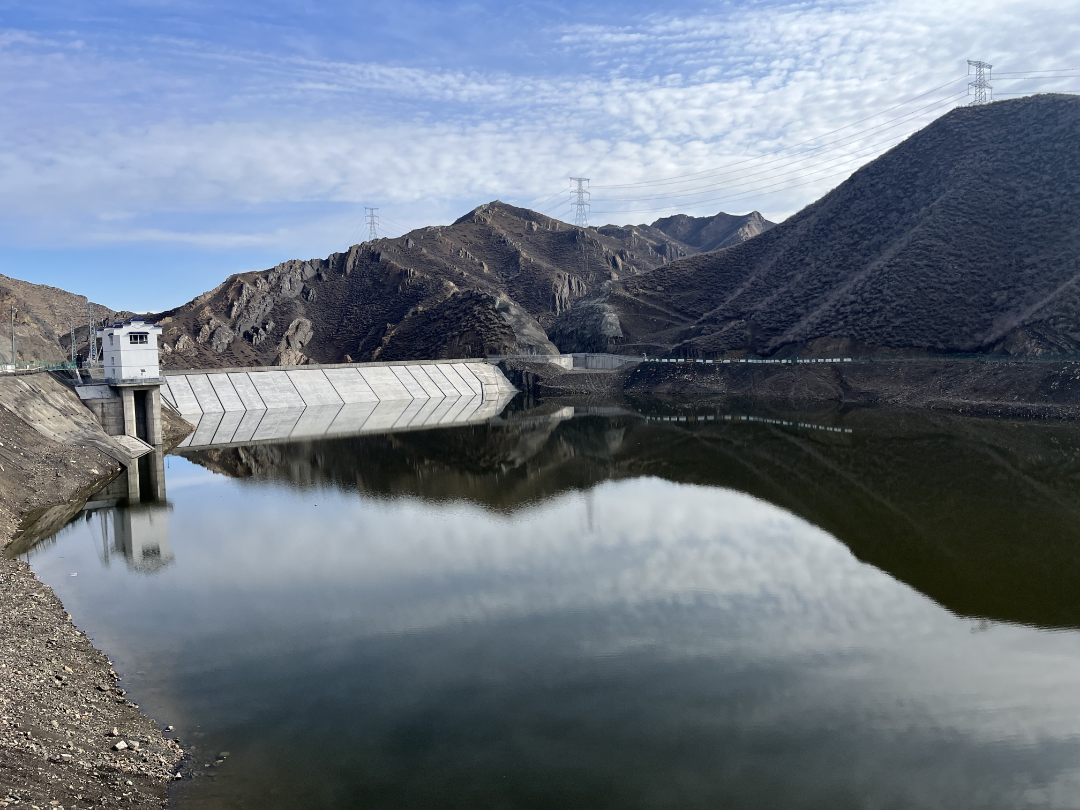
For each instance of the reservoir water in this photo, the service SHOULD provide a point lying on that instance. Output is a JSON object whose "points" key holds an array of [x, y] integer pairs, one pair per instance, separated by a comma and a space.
{"points": [[603, 610]]}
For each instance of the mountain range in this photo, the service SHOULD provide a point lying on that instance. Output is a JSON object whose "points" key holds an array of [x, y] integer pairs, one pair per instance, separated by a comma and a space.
{"points": [[964, 238], [493, 282]]}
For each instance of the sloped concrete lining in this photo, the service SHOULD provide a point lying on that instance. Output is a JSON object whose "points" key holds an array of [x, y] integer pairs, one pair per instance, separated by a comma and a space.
{"points": [[455, 380], [240, 406], [247, 392], [205, 394], [180, 395], [443, 384], [416, 391], [385, 383], [227, 395], [350, 386], [424, 381], [314, 388]]}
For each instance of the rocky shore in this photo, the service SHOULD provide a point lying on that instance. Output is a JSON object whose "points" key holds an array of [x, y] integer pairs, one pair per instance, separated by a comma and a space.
{"points": [[69, 737]]}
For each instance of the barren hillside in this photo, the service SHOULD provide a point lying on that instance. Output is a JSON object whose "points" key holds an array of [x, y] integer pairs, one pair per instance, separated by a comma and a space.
{"points": [[43, 322], [490, 283], [963, 238]]}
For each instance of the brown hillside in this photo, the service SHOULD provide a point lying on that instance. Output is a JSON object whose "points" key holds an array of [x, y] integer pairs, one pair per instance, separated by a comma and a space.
{"points": [[490, 283], [964, 238], [43, 322]]}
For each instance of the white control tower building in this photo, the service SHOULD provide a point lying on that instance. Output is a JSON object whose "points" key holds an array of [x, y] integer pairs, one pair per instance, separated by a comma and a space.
{"points": [[130, 352], [129, 401]]}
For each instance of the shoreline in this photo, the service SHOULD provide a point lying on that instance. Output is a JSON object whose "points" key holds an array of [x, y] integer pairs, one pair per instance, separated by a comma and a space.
{"points": [[1017, 390], [60, 699]]}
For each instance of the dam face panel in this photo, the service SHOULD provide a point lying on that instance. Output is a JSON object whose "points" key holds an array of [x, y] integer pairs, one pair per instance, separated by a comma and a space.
{"points": [[270, 404]]}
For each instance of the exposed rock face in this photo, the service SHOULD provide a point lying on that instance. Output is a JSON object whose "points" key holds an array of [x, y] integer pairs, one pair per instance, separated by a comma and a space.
{"points": [[592, 326], [713, 233], [43, 322], [296, 338], [964, 238], [491, 283]]}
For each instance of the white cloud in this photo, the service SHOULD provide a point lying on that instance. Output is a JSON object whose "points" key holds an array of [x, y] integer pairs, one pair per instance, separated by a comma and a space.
{"points": [[179, 129]]}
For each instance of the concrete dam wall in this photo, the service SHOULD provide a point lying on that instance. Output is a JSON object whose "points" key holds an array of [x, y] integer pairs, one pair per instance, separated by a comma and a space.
{"points": [[246, 405]]}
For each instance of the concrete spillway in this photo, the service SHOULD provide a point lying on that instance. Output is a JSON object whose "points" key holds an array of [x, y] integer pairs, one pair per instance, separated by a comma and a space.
{"points": [[243, 406]]}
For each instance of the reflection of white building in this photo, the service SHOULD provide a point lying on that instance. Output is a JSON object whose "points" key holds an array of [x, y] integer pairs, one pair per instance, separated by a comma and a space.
{"points": [[141, 533]]}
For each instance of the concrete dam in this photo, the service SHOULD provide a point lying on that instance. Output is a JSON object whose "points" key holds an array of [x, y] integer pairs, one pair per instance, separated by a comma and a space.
{"points": [[250, 405]]}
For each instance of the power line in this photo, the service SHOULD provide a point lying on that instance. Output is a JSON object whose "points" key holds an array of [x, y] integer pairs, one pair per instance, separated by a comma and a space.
{"points": [[840, 161], [1035, 78], [559, 193], [901, 119], [1039, 70], [817, 152], [741, 196], [786, 148], [398, 225], [92, 354]]}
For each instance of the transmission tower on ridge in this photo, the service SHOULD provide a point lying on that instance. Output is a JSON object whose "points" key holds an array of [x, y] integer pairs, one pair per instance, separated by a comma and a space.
{"points": [[372, 217], [91, 354], [579, 198], [981, 83]]}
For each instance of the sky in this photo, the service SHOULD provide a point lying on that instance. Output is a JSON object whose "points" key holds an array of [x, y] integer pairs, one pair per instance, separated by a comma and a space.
{"points": [[151, 148]]}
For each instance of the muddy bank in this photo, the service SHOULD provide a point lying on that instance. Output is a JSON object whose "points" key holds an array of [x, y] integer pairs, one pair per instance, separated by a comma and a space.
{"points": [[59, 698], [984, 388]]}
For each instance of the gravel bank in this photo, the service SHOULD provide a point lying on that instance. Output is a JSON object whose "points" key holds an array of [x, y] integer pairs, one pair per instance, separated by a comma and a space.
{"points": [[59, 698]]}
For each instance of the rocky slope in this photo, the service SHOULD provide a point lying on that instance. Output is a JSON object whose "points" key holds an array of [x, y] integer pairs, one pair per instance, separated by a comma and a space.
{"points": [[43, 322], [491, 283], [963, 238]]}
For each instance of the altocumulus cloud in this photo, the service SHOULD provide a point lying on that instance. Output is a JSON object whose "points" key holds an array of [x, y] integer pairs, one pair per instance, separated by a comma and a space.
{"points": [[166, 139]]}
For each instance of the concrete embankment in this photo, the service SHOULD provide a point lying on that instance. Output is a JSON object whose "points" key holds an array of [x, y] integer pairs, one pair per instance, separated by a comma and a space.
{"points": [[1015, 389], [59, 699]]}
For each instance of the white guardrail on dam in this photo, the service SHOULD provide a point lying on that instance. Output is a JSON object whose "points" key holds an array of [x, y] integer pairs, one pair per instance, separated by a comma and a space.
{"points": [[244, 406]]}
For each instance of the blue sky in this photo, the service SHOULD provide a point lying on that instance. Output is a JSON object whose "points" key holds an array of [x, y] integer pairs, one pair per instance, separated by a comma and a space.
{"points": [[152, 148]]}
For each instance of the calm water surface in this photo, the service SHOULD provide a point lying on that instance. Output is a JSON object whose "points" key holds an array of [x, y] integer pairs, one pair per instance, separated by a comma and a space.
{"points": [[605, 612]]}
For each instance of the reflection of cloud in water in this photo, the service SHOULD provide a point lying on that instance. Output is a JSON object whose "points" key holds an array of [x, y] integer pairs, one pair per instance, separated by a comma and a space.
{"points": [[775, 589], [649, 540], [705, 632]]}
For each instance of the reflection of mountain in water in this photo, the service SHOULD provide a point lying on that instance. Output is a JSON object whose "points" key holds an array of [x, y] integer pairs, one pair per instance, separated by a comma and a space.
{"points": [[982, 516]]}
